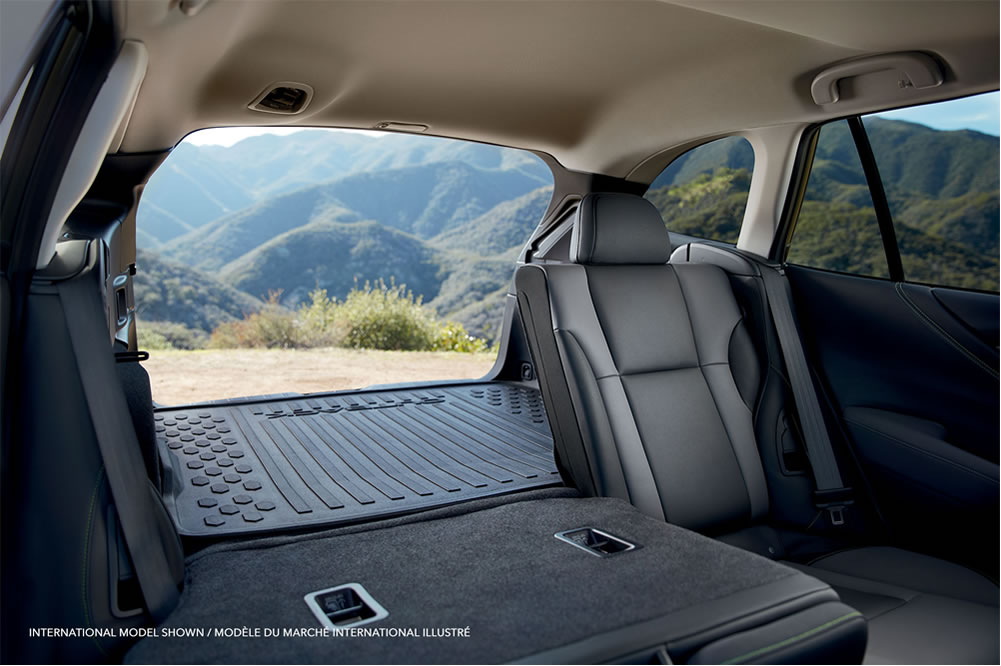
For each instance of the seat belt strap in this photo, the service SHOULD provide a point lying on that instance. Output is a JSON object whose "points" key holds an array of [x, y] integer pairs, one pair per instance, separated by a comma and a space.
{"points": [[831, 493], [118, 444]]}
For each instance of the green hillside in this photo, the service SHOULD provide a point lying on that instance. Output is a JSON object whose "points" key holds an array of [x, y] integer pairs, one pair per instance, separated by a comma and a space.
{"points": [[303, 239], [970, 220], [429, 199], [169, 292], [915, 158], [160, 227], [214, 245], [950, 241], [472, 286], [199, 184], [334, 256], [711, 205], [484, 318], [731, 153], [423, 200], [458, 285], [502, 229], [946, 214]]}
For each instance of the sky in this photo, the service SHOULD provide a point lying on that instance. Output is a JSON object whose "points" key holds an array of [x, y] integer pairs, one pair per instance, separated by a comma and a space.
{"points": [[980, 112], [227, 136]]}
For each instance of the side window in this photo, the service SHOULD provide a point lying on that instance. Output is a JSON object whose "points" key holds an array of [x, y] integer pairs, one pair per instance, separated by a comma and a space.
{"points": [[703, 193], [942, 189], [837, 228], [937, 169]]}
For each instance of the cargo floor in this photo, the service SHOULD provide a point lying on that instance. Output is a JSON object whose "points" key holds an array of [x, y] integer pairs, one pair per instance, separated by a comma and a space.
{"points": [[325, 459]]}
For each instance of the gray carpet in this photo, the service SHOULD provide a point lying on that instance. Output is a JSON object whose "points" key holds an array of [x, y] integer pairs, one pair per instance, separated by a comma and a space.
{"points": [[498, 571]]}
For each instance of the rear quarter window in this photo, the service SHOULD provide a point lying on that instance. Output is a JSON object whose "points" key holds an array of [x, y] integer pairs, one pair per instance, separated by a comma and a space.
{"points": [[703, 193]]}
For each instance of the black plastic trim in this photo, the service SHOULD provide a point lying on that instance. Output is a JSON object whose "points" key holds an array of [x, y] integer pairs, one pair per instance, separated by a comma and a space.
{"points": [[796, 192], [70, 70], [533, 290], [882, 207]]}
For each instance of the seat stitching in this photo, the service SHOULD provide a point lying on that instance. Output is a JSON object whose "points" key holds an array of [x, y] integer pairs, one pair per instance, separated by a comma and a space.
{"points": [[648, 372], [712, 394], [625, 395], [924, 452], [942, 333], [794, 639], [618, 456]]}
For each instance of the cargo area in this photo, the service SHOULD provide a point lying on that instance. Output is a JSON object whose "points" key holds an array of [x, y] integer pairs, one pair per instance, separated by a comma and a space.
{"points": [[280, 463]]}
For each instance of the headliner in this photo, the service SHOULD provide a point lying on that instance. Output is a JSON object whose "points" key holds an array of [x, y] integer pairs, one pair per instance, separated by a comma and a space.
{"points": [[600, 86]]}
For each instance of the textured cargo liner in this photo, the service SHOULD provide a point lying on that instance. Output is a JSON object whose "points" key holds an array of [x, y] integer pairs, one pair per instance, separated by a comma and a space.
{"points": [[273, 464]]}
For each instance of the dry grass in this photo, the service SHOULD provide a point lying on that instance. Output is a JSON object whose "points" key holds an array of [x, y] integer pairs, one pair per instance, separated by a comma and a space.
{"points": [[191, 376]]}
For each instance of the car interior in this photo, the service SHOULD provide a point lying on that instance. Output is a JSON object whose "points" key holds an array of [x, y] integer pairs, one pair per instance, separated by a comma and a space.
{"points": [[689, 449]]}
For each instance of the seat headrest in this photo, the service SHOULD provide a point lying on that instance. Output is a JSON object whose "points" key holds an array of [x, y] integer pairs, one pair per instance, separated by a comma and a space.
{"points": [[613, 228]]}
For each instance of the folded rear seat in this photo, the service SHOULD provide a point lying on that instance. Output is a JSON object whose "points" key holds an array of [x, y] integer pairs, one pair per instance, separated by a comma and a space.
{"points": [[488, 581], [649, 378], [529, 576]]}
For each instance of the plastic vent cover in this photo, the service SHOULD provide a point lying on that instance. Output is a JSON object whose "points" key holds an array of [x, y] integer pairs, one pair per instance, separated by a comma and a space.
{"points": [[283, 97]]}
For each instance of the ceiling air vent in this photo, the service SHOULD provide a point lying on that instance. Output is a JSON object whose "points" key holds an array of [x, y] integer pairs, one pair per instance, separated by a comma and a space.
{"points": [[285, 97]]}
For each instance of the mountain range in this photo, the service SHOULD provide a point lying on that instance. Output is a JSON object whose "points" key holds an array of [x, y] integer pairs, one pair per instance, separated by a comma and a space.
{"points": [[221, 227]]}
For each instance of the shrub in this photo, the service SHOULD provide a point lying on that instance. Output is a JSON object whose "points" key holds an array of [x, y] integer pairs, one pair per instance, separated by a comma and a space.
{"points": [[374, 316], [385, 316], [169, 335], [320, 322], [454, 337], [229, 335], [151, 339], [272, 326]]}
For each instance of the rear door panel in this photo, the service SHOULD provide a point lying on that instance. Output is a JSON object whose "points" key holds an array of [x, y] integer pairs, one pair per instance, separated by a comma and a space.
{"points": [[916, 383]]}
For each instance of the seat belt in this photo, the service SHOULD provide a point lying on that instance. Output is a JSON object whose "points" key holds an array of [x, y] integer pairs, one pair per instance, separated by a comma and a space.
{"points": [[118, 444], [831, 493]]}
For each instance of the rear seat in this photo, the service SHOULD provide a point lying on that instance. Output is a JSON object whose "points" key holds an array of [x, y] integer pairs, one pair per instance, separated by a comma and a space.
{"points": [[515, 577], [513, 573], [649, 377]]}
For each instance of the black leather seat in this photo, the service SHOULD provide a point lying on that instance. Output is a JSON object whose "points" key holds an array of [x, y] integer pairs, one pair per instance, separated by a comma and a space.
{"points": [[649, 377]]}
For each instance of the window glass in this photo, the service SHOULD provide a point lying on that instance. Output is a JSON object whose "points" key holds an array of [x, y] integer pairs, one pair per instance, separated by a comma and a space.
{"points": [[703, 193], [275, 260], [939, 164], [837, 228], [939, 168]]}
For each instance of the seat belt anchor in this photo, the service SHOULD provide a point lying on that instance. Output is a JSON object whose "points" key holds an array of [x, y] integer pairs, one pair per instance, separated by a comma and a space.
{"points": [[834, 502]]}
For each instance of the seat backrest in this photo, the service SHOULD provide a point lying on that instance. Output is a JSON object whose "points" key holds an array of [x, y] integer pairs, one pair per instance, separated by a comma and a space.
{"points": [[646, 369]]}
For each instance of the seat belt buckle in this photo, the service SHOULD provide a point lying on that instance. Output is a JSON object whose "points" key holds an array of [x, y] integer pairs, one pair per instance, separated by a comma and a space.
{"points": [[834, 501]]}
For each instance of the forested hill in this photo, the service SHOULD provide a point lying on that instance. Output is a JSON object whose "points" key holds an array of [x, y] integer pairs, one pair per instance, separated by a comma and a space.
{"points": [[942, 188]]}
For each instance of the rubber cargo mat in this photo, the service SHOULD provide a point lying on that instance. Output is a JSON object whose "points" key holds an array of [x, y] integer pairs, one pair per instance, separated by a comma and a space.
{"points": [[325, 459]]}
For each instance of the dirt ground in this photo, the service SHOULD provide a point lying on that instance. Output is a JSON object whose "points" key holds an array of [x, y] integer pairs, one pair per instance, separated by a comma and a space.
{"points": [[190, 376]]}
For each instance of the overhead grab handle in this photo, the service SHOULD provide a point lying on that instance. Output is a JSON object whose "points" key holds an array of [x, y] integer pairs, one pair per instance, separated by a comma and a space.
{"points": [[914, 70]]}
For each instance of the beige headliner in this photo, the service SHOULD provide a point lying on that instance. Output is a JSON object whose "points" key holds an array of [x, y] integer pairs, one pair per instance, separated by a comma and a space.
{"points": [[601, 86]]}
